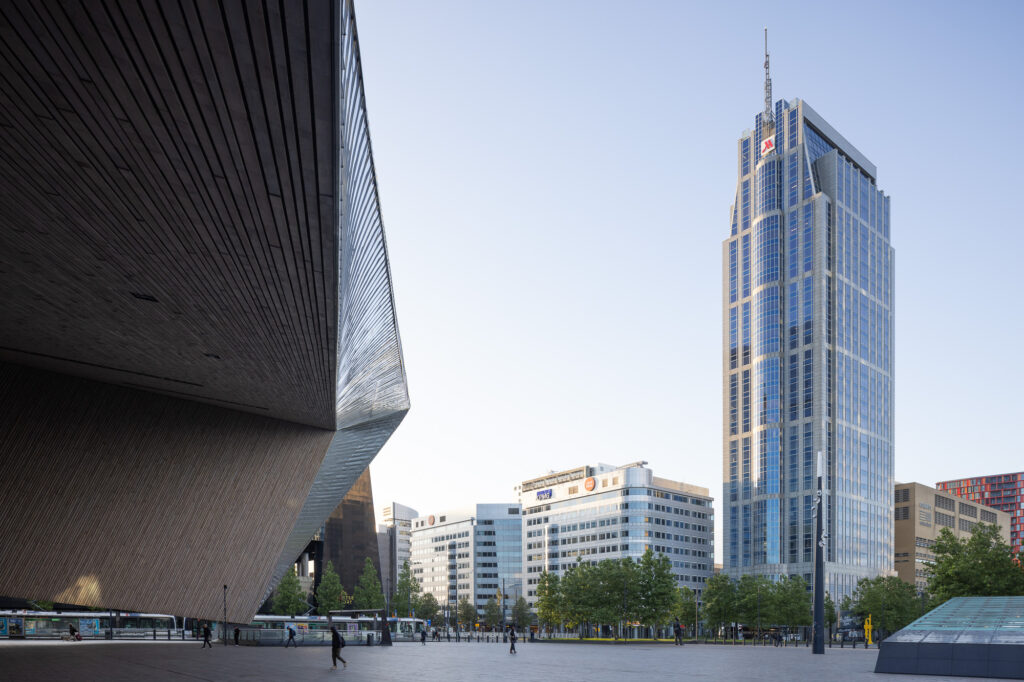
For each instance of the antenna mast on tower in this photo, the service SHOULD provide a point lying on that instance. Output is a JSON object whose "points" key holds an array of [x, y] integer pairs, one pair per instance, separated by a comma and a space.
{"points": [[768, 119]]}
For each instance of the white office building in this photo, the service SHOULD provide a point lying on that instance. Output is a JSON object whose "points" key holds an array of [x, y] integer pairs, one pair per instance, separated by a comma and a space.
{"points": [[473, 554], [394, 542], [602, 512]]}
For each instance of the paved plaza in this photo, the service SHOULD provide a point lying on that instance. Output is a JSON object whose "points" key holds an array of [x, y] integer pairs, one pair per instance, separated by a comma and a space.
{"points": [[445, 661]]}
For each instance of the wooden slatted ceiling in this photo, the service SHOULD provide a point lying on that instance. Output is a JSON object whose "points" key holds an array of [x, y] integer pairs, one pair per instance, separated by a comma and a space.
{"points": [[183, 152]]}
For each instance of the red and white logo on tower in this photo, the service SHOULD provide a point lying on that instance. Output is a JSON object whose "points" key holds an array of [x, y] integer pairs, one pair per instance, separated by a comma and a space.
{"points": [[767, 145]]}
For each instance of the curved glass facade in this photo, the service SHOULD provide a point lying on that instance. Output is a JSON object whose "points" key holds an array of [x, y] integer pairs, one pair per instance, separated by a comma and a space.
{"points": [[808, 357]]}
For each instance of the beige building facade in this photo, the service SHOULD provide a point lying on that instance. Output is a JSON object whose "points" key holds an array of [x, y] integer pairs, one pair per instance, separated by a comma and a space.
{"points": [[921, 512]]}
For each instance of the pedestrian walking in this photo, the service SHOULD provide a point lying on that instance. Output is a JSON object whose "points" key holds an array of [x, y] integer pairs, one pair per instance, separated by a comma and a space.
{"points": [[512, 638], [337, 644], [291, 638], [206, 636], [678, 629], [423, 637], [238, 633], [449, 635]]}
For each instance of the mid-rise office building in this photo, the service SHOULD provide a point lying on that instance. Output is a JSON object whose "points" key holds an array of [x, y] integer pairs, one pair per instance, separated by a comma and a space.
{"points": [[601, 512], [1000, 491], [920, 514], [394, 541], [474, 554], [808, 353]]}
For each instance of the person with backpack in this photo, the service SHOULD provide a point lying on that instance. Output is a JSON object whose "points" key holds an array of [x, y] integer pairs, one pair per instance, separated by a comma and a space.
{"points": [[337, 644], [291, 638]]}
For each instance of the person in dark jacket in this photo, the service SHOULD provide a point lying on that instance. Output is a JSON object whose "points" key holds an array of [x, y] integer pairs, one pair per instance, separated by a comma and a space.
{"points": [[337, 643], [423, 637], [238, 633], [206, 636], [678, 630], [512, 638], [291, 638]]}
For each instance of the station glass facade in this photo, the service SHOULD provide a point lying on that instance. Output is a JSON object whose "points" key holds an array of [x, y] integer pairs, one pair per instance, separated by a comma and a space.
{"points": [[808, 354]]}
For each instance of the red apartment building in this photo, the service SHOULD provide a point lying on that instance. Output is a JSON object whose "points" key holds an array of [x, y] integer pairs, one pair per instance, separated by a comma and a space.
{"points": [[1002, 491]]}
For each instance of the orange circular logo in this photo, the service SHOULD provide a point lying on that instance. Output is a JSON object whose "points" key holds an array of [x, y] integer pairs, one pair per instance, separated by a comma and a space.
{"points": [[430, 519], [589, 483]]}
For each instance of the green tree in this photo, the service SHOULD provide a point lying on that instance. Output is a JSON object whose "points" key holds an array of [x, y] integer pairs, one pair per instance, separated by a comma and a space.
{"points": [[982, 565], [368, 593], [891, 603], [288, 598], [577, 594], [522, 617], [549, 599], [686, 609], [492, 613], [330, 595], [756, 599], [830, 612], [467, 613], [792, 602], [427, 607], [657, 589], [719, 601], [407, 590], [616, 595]]}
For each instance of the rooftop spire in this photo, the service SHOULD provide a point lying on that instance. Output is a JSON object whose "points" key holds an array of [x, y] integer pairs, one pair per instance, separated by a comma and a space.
{"points": [[768, 119]]}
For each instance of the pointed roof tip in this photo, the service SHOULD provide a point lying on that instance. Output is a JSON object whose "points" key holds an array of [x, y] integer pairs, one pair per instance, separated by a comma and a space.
{"points": [[768, 118]]}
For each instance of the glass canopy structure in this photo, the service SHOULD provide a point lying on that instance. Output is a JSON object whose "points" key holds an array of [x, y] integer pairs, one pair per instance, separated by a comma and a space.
{"points": [[970, 636]]}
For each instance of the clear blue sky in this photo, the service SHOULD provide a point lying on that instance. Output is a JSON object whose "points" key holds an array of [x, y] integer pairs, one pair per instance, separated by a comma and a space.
{"points": [[556, 179]]}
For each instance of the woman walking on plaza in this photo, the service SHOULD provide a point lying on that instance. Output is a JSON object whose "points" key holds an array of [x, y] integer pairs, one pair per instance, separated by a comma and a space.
{"points": [[337, 642]]}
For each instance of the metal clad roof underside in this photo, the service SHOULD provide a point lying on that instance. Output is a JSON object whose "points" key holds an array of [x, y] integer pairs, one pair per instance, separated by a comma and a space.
{"points": [[169, 198]]}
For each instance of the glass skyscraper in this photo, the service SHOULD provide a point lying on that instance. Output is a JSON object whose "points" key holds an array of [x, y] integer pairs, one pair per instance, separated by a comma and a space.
{"points": [[808, 354]]}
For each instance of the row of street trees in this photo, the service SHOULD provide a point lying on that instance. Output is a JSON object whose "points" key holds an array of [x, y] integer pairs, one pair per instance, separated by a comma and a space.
{"points": [[411, 600], [759, 603], [290, 600], [611, 593]]}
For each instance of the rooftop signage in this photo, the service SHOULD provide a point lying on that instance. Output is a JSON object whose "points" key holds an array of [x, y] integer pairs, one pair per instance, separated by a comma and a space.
{"points": [[554, 479]]}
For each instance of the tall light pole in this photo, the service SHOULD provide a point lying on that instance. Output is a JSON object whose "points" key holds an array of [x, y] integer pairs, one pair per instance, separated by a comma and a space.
{"points": [[224, 633], [819, 562]]}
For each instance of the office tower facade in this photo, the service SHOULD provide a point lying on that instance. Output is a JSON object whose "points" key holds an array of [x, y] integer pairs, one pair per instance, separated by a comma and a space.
{"points": [[808, 354], [473, 554], [607, 512], [920, 514], [1000, 491], [394, 540]]}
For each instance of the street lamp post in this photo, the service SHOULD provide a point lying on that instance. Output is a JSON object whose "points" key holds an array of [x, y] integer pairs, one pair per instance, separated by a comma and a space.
{"points": [[819, 562], [759, 609], [224, 633]]}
